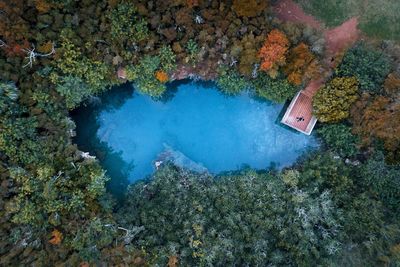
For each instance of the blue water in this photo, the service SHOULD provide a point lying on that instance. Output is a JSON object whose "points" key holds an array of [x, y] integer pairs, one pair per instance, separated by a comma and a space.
{"points": [[199, 124]]}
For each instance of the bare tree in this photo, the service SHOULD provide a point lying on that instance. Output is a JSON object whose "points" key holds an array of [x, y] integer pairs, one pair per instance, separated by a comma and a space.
{"points": [[3, 44], [32, 55]]}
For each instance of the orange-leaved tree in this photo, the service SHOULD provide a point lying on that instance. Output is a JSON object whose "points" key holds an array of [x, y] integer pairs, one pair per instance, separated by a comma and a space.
{"points": [[392, 85], [377, 117], [301, 65], [273, 52], [161, 76], [56, 237]]}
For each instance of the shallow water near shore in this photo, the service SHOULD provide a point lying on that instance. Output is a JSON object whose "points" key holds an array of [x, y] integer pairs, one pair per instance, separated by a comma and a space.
{"points": [[196, 127]]}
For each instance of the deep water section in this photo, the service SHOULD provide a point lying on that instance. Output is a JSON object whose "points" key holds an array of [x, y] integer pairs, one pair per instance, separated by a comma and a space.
{"points": [[196, 127]]}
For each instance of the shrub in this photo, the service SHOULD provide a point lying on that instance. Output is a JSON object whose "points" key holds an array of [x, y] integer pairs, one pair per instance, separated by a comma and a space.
{"points": [[161, 76]]}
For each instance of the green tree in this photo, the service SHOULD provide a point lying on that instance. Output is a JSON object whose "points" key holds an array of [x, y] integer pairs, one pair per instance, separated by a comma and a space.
{"points": [[230, 82], [245, 218], [74, 89], [126, 24], [338, 137], [8, 94], [167, 58], [277, 90], [369, 66], [143, 75], [383, 180], [333, 101], [192, 49]]}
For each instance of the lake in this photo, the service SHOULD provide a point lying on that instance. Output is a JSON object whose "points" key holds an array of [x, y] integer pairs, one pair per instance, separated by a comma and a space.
{"points": [[195, 126]]}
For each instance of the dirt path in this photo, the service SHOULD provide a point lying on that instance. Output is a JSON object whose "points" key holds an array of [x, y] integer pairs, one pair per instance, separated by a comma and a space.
{"points": [[341, 37], [287, 10], [336, 39]]}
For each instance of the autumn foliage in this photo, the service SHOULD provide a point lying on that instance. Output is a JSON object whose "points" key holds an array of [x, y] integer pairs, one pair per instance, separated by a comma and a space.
{"points": [[301, 64], [173, 261], [161, 76], [249, 8], [13, 28], [392, 85], [16, 48], [42, 6], [377, 118], [192, 3], [273, 52], [56, 237]]}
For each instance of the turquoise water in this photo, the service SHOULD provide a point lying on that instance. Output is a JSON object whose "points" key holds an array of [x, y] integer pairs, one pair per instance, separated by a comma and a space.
{"points": [[196, 127]]}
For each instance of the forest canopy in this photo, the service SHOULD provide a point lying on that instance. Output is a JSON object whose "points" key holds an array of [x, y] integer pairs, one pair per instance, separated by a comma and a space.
{"points": [[336, 206]]}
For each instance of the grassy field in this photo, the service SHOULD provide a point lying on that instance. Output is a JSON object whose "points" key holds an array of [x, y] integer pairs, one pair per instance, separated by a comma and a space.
{"points": [[379, 18]]}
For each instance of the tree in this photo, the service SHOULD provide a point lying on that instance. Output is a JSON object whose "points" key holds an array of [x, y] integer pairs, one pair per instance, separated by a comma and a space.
{"points": [[273, 52], [220, 221], [301, 64], [74, 89], [383, 180], [338, 137], [369, 66], [333, 101], [230, 82], [245, 50], [8, 95], [167, 59], [392, 85], [249, 8], [144, 76], [277, 90], [73, 69], [126, 24], [378, 118]]}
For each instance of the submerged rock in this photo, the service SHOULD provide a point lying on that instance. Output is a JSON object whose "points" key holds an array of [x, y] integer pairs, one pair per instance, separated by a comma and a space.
{"points": [[178, 159]]}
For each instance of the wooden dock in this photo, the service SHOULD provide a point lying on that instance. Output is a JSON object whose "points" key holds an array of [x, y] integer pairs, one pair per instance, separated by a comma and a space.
{"points": [[299, 114]]}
